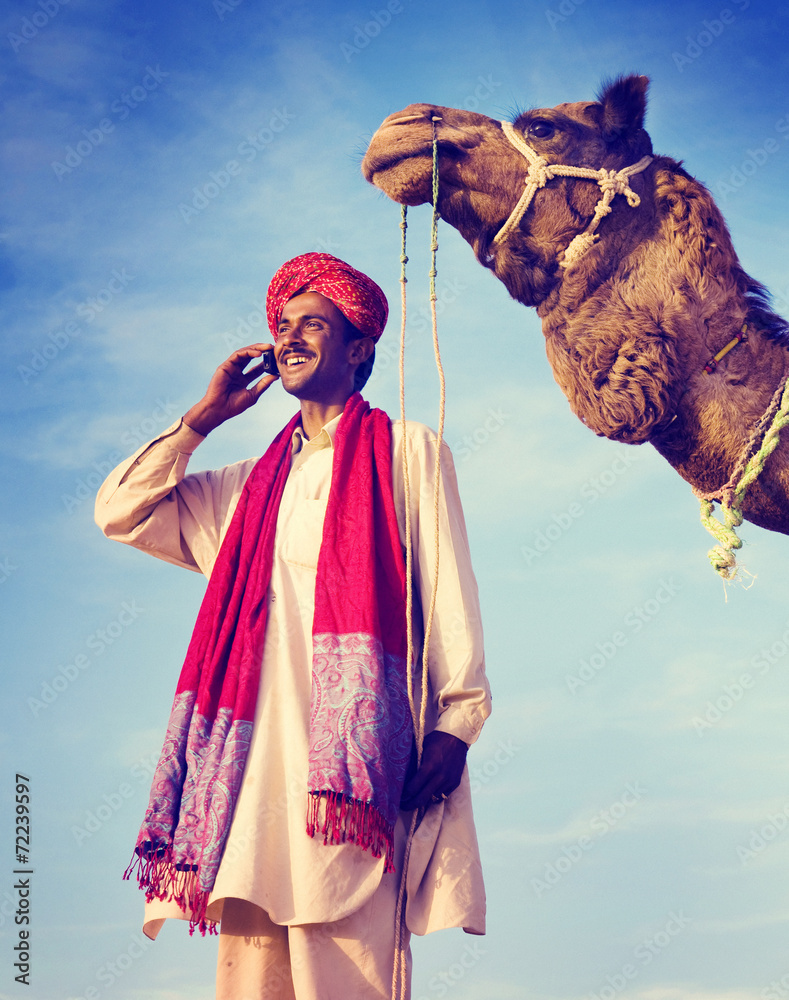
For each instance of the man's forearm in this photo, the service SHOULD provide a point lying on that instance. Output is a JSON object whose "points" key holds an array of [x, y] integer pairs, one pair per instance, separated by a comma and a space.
{"points": [[202, 419]]}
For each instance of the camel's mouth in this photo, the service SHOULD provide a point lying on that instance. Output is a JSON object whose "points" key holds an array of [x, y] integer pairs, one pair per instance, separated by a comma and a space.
{"points": [[406, 176], [405, 173], [408, 136], [391, 146], [378, 163], [405, 181], [484, 247]]}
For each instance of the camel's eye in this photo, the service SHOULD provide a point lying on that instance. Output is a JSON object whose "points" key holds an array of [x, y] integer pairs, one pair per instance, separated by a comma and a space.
{"points": [[540, 129]]}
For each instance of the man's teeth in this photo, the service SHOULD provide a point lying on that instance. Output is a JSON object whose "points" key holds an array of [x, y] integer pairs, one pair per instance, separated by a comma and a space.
{"points": [[295, 361]]}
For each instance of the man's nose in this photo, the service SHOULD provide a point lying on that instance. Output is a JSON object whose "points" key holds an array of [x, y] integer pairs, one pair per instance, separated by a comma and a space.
{"points": [[290, 336]]}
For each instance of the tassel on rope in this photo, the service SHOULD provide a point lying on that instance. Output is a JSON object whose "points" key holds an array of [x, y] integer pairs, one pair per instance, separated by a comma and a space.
{"points": [[732, 495]]}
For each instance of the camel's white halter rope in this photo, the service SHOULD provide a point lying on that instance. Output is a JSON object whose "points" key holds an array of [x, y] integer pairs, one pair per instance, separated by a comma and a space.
{"points": [[765, 436], [611, 182], [399, 972]]}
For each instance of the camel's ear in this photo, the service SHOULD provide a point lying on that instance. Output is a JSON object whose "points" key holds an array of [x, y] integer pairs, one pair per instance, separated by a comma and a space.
{"points": [[624, 103]]}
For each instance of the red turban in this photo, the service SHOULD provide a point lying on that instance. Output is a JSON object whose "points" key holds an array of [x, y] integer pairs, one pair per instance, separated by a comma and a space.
{"points": [[357, 297]]}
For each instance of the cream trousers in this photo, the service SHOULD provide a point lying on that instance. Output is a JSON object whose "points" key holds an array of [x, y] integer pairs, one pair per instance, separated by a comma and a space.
{"points": [[350, 959]]}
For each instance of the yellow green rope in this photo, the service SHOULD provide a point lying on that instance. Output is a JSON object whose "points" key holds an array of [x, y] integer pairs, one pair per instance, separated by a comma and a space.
{"points": [[721, 556]]}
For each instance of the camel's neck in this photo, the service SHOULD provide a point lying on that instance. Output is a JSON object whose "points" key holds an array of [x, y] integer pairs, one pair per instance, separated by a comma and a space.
{"points": [[717, 412], [630, 328]]}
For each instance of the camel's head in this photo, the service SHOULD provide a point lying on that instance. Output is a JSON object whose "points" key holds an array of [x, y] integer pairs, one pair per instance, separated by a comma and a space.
{"points": [[481, 174]]}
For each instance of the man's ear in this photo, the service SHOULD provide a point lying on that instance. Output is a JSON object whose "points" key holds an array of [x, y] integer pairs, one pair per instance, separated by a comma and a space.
{"points": [[360, 350]]}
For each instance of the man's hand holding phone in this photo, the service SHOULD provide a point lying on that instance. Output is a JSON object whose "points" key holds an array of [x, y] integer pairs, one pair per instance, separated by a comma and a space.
{"points": [[232, 390]]}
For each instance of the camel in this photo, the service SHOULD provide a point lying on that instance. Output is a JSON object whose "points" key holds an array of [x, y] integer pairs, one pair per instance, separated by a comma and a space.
{"points": [[631, 269]]}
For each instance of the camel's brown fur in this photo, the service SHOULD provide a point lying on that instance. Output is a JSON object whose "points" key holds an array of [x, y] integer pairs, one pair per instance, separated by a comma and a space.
{"points": [[630, 326]]}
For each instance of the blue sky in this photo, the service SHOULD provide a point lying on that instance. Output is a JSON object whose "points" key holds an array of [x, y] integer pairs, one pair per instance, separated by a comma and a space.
{"points": [[159, 162]]}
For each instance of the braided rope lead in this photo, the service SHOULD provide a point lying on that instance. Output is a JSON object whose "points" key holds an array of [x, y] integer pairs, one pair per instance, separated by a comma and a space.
{"points": [[441, 410], [721, 556], [400, 969], [409, 586]]}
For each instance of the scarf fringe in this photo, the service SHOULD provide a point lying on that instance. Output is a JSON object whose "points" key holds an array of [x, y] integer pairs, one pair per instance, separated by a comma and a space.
{"points": [[161, 878], [344, 820]]}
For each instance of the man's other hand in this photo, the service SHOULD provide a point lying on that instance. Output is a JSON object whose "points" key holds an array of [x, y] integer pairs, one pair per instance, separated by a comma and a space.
{"points": [[439, 773]]}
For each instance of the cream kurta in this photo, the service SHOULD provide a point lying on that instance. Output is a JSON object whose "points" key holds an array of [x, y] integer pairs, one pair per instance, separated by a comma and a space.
{"points": [[269, 860]]}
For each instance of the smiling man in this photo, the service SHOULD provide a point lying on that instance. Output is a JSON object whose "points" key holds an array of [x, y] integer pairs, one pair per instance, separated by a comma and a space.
{"points": [[288, 777]]}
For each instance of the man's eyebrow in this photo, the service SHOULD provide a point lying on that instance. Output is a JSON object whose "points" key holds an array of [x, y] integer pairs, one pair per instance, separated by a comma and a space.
{"points": [[305, 316]]}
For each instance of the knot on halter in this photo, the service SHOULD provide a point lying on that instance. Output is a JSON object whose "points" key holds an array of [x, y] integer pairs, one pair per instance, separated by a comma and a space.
{"points": [[539, 172], [578, 247], [615, 182], [610, 182]]}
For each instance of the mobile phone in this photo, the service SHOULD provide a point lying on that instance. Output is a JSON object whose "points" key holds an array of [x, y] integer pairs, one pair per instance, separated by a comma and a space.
{"points": [[269, 363]]}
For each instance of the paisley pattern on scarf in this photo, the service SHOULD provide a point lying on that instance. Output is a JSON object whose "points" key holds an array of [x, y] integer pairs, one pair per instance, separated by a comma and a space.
{"points": [[360, 721], [207, 762]]}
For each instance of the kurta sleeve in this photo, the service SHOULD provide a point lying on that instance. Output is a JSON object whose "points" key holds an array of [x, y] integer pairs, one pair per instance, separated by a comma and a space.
{"points": [[459, 692], [150, 502]]}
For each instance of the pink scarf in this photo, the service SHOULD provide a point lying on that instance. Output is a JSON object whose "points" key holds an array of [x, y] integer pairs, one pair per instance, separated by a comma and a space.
{"points": [[360, 723]]}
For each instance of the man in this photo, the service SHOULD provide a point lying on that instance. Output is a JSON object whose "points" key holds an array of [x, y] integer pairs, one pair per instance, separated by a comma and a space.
{"points": [[293, 704]]}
